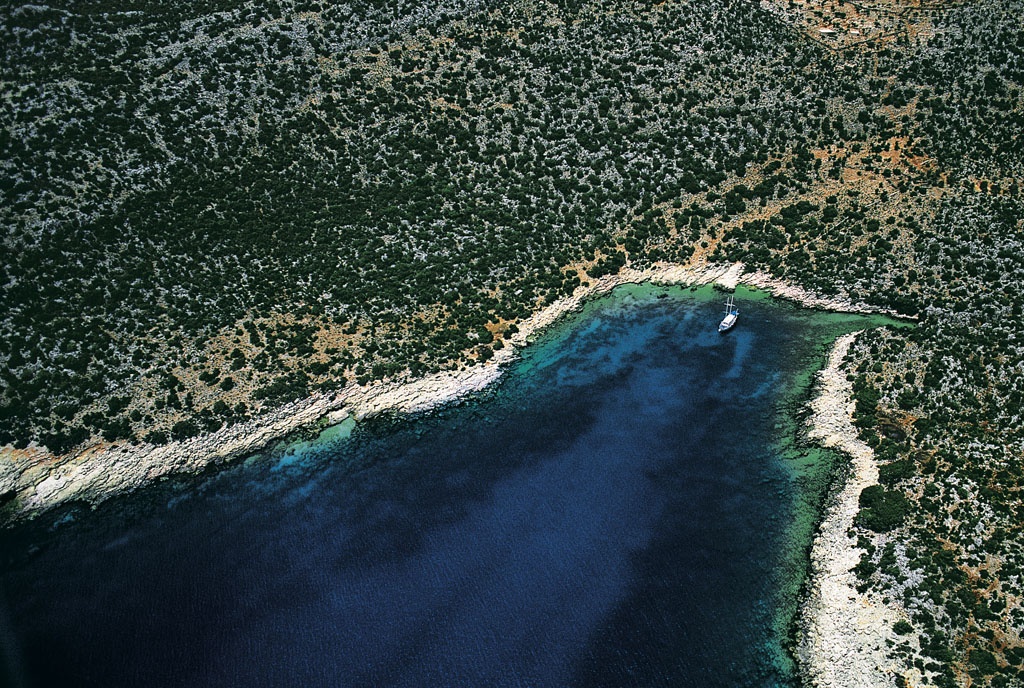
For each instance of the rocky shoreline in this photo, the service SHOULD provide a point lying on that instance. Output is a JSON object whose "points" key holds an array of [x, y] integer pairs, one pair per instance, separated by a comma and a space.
{"points": [[33, 480], [844, 635]]}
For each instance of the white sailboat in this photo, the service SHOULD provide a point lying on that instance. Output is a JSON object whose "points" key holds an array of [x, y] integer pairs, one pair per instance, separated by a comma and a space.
{"points": [[731, 315]]}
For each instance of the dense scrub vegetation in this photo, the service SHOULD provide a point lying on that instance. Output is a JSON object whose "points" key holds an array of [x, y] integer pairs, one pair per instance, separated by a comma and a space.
{"points": [[212, 207], [278, 186]]}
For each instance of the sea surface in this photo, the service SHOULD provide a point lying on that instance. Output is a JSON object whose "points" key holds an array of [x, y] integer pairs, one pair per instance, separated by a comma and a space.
{"points": [[628, 507]]}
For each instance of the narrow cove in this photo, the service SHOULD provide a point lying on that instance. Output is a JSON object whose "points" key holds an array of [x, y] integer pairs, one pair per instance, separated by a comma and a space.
{"points": [[628, 506]]}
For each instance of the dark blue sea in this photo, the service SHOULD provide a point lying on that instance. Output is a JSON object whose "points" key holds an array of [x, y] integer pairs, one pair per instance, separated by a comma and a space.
{"points": [[616, 512]]}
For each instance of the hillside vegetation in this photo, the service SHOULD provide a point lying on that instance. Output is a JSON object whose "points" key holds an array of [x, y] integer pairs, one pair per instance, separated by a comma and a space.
{"points": [[210, 208]]}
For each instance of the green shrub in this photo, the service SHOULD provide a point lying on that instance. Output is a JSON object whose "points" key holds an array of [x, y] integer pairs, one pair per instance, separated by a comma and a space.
{"points": [[882, 510], [156, 437], [284, 388], [184, 429], [902, 627], [985, 661], [892, 473]]}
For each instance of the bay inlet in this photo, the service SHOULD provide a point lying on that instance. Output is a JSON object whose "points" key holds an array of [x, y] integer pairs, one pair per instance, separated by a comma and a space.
{"points": [[631, 505]]}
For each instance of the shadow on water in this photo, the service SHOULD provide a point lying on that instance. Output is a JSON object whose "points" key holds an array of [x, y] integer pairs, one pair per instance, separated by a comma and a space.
{"points": [[611, 514]]}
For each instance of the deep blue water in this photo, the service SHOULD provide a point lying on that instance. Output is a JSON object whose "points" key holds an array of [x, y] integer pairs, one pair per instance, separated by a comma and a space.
{"points": [[611, 514]]}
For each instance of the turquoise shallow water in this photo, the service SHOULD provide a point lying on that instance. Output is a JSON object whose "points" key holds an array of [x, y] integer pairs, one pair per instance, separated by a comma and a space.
{"points": [[618, 511]]}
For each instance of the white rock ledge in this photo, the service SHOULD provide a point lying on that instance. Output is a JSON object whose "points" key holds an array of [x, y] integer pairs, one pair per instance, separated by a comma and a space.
{"points": [[845, 635]]}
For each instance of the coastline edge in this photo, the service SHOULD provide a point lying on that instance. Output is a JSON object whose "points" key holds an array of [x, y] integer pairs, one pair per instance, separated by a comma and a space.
{"points": [[843, 635]]}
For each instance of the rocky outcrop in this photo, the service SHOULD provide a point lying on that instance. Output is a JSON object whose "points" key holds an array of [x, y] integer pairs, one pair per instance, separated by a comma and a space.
{"points": [[427, 392], [103, 470], [36, 480], [845, 635], [792, 292]]}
